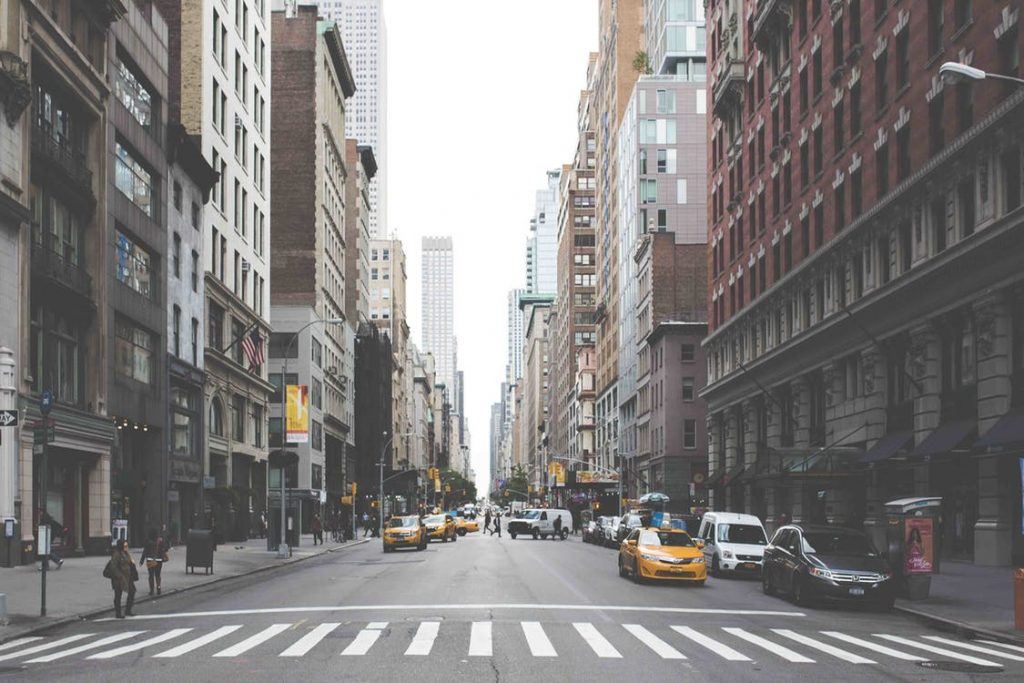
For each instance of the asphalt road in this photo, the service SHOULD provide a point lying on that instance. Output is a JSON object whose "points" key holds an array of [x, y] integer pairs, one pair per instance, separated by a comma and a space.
{"points": [[486, 609]]}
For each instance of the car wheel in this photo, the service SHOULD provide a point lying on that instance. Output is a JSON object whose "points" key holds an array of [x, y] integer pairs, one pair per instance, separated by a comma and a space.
{"points": [[512, 534], [444, 539], [421, 546], [455, 537], [799, 592], [715, 569], [622, 569], [536, 534], [766, 583], [543, 537], [462, 532], [701, 582]]}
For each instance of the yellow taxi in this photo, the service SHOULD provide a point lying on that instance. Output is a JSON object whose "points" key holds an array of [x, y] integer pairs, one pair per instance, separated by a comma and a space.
{"points": [[404, 532], [440, 527], [465, 526], [664, 554]]}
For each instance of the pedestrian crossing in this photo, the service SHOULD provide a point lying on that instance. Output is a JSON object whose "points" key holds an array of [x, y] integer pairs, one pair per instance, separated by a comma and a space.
{"points": [[611, 641]]}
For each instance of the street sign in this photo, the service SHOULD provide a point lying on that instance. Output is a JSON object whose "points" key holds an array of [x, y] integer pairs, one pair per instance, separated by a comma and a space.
{"points": [[8, 418], [44, 435], [45, 402]]}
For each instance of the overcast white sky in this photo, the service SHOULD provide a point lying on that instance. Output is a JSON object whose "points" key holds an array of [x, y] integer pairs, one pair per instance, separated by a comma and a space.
{"points": [[482, 101]]}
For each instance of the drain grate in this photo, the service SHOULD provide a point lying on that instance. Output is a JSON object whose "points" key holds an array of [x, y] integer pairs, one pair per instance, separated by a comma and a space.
{"points": [[960, 667]]}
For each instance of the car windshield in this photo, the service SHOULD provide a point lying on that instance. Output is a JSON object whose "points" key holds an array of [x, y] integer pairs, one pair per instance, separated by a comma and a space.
{"points": [[531, 514], [838, 543], [741, 533], [670, 539], [398, 522], [434, 519]]}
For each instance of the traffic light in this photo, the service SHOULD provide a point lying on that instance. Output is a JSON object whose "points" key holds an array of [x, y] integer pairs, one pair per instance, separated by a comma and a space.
{"points": [[353, 489]]}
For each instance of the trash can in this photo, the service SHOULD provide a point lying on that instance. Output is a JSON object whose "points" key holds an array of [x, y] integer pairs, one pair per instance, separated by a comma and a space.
{"points": [[911, 532], [199, 550]]}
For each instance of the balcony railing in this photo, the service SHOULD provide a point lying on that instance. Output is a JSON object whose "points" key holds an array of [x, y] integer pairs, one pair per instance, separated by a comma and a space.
{"points": [[727, 91], [48, 262], [771, 18], [59, 152]]}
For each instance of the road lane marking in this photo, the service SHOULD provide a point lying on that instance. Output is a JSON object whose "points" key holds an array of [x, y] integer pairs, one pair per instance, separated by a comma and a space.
{"points": [[718, 648], [163, 637], [45, 646], [365, 639], [480, 642], [109, 640], [423, 642], [774, 648], [660, 647], [19, 642], [975, 648], [252, 641], [823, 647], [1015, 648], [197, 643], [310, 640], [598, 643], [479, 606], [937, 650], [540, 645], [867, 644]]}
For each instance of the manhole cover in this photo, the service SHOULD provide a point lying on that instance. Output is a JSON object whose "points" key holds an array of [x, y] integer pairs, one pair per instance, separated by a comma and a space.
{"points": [[961, 667]]}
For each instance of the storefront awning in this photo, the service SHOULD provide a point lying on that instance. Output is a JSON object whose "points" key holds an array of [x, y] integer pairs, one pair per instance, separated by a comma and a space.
{"points": [[733, 474], [716, 478], [887, 446], [946, 438], [1009, 430]]}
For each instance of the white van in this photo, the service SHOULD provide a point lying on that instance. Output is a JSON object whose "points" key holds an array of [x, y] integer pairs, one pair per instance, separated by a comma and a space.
{"points": [[732, 542], [540, 523]]}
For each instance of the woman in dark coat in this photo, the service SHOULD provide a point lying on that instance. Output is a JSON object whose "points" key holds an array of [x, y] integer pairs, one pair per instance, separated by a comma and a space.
{"points": [[123, 575], [154, 554]]}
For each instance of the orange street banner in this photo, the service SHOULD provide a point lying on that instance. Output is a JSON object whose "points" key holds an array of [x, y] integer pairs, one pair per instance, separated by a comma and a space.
{"points": [[298, 413]]}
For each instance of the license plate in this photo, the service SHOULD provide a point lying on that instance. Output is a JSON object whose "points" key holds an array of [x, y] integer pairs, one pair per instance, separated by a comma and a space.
{"points": [[749, 565], [856, 591]]}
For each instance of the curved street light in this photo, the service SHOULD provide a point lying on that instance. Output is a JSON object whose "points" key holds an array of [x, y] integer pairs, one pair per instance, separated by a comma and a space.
{"points": [[957, 72]]}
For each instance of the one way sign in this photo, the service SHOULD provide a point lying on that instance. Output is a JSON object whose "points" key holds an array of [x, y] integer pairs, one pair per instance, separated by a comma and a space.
{"points": [[8, 418]]}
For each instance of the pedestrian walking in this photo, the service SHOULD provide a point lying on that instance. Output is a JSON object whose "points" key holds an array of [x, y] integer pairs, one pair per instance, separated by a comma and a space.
{"points": [[487, 520], [154, 554], [557, 528], [123, 575], [263, 524], [57, 530], [496, 524], [577, 522], [318, 529], [366, 524]]}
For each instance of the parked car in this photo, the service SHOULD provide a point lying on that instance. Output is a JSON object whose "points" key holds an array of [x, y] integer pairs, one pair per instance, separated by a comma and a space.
{"points": [[611, 532], [587, 532], [539, 523], [827, 563], [597, 537], [732, 542], [629, 523]]}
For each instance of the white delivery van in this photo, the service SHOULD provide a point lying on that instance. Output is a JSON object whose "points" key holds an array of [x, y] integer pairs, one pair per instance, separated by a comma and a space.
{"points": [[732, 542], [540, 523]]}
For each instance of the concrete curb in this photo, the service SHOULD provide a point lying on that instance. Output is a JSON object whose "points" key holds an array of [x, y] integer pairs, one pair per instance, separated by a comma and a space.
{"points": [[961, 628], [64, 621]]}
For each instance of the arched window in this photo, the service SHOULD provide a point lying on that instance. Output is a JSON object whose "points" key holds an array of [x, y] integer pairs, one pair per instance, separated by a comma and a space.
{"points": [[216, 417]]}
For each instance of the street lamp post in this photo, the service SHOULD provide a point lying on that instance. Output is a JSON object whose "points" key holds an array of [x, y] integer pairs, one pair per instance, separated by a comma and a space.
{"points": [[956, 72], [380, 492], [283, 550]]}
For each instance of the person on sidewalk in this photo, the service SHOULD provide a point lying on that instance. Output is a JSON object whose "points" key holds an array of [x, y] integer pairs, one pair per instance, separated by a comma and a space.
{"points": [[496, 524], [317, 526], [123, 575], [154, 554], [557, 527], [57, 530], [487, 520], [366, 524]]}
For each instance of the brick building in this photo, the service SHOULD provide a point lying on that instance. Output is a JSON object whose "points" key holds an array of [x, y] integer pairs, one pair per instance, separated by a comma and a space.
{"points": [[866, 307]]}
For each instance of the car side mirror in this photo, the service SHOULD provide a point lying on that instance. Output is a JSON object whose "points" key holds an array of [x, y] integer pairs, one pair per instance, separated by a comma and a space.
{"points": [[700, 544], [631, 542]]}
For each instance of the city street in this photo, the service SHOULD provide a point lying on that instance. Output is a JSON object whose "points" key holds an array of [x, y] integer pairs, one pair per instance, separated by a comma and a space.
{"points": [[490, 609]]}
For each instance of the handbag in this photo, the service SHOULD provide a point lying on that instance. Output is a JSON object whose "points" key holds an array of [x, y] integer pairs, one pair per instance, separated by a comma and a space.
{"points": [[151, 563], [108, 571]]}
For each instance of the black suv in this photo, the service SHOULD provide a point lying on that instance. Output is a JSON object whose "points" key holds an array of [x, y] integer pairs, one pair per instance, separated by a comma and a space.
{"points": [[826, 563], [629, 522]]}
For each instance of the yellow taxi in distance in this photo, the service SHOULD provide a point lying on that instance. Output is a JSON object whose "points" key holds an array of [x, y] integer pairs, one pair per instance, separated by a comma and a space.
{"points": [[404, 532], [440, 528], [662, 554], [465, 526]]}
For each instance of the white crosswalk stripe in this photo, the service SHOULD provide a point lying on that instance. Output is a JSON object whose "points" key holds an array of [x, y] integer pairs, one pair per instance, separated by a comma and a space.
{"points": [[134, 647], [252, 641], [975, 648], [423, 642], [480, 641], [660, 647], [867, 644], [823, 647], [19, 642], [1014, 648], [540, 645], [936, 650], [720, 649], [598, 643], [43, 647], [310, 640], [197, 643], [774, 648], [365, 639], [102, 642]]}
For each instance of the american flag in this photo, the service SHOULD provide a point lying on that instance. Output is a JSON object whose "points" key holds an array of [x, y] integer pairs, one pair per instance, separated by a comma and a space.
{"points": [[252, 346]]}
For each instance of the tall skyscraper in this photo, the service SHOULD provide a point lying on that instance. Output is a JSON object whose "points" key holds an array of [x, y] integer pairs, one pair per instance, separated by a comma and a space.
{"points": [[542, 245], [439, 306], [365, 38], [514, 369]]}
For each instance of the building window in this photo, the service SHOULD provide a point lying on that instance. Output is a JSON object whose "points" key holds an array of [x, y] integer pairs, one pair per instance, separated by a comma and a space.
{"points": [[134, 95], [965, 201], [133, 180], [134, 352], [903, 152], [216, 417], [55, 360], [688, 353], [689, 433], [317, 352], [688, 389], [316, 434], [882, 171], [934, 26], [215, 336], [195, 342], [177, 196], [176, 256], [856, 193], [182, 423], [238, 418], [1011, 164], [882, 80], [195, 271], [819, 150], [134, 265], [903, 59], [258, 421], [316, 393], [176, 331]]}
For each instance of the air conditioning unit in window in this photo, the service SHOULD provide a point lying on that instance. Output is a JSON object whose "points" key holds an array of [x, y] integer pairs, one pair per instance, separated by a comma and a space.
{"points": [[238, 121], [333, 370], [246, 266]]}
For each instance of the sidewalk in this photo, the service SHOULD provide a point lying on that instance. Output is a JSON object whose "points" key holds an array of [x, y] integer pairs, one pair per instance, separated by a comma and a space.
{"points": [[969, 597], [78, 588]]}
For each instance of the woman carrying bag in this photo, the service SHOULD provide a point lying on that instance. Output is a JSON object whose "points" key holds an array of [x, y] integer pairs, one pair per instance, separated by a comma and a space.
{"points": [[154, 554], [123, 575]]}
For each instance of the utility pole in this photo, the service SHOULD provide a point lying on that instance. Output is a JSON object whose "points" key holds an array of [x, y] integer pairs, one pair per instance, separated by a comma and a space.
{"points": [[44, 540]]}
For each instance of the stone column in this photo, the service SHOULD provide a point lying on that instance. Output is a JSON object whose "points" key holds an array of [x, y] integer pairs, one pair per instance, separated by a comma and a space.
{"points": [[993, 534], [873, 369], [732, 441], [715, 447], [926, 369], [801, 412], [9, 437]]}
